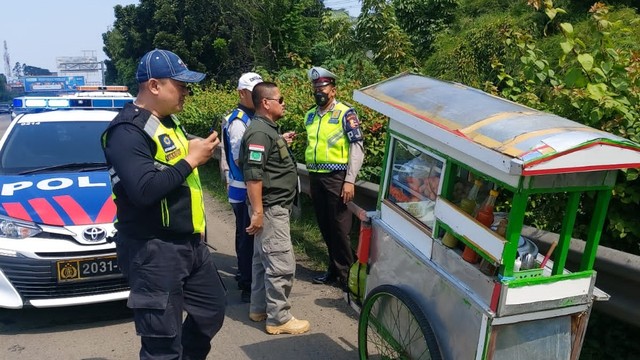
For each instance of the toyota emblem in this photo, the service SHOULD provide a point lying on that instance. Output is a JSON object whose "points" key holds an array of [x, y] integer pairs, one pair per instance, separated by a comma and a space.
{"points": [[94, 234]]}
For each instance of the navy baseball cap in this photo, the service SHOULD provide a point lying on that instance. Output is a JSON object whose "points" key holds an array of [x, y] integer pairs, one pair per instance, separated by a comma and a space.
{"points": [[162, 64]]}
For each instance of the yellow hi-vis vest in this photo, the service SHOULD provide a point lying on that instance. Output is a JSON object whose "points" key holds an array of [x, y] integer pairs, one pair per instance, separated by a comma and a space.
{"points": [[328, 146], [164, 137], [182, 210]]}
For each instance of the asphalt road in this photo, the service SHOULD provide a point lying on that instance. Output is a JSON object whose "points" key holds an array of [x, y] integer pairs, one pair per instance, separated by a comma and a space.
{"points": [[5, 119], [106, 332]]}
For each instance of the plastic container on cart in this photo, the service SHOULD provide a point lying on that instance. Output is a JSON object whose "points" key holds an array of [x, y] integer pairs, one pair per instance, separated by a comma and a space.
{"points": [[357, 280], [470, 256], [449, 240]]}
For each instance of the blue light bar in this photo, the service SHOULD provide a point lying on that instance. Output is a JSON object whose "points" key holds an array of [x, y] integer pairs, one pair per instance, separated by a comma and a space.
{"points": [[27, 103]]}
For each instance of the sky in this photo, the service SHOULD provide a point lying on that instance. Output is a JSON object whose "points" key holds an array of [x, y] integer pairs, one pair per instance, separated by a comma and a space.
{"points": [[39, 31], [352, 6]]}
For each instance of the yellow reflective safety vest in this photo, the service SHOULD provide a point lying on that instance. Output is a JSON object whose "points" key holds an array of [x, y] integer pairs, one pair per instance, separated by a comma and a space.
{"points": [[182, 210], [328, 146]]}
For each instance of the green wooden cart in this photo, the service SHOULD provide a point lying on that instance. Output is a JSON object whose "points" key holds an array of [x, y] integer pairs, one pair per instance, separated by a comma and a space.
{"points": [[422, 299]]}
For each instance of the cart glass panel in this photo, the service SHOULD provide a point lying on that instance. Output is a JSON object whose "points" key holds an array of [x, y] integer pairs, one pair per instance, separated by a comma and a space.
{"points": [[415, 181]]}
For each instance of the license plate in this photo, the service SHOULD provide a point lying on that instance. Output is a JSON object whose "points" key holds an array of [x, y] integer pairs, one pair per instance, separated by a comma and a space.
{"points": [[86, 269]]}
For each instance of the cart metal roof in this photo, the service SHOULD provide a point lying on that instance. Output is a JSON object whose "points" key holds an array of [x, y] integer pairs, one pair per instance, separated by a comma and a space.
{"points": [[511, 137]]}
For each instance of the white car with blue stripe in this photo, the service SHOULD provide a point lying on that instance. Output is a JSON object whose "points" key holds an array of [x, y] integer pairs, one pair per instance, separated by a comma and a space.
{"points": [[56, 210]]}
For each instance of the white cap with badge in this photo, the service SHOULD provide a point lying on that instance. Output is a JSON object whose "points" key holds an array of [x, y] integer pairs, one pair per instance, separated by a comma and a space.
{"points": [[248, 81], [321, 77]]}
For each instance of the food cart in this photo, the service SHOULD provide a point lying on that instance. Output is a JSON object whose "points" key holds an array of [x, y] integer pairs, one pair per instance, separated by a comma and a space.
{"points": [[435, 278]]}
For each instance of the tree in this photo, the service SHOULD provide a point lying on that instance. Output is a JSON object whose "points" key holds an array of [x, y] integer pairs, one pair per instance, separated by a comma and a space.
{"points": [[379, 32], [422, 20], [29, 70], [220, 37], [5, 93], [17, 70], [594, 82]]}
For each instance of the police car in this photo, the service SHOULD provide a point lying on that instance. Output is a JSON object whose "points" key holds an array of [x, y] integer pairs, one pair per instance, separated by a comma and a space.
{"points": [[56, 210]]}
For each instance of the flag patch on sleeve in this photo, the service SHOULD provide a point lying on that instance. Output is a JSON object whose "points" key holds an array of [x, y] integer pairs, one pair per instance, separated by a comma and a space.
{"points": [[255, 152]]}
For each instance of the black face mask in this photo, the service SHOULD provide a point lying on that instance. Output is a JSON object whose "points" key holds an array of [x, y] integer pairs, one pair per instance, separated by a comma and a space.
{"points": [[321, 98]]}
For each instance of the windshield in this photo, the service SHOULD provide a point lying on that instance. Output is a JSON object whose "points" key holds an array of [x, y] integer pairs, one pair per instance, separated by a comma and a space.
{"points": [[52, 144]]}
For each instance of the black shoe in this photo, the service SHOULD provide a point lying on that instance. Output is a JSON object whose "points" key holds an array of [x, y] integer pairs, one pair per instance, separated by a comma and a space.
{"points": [[326, 278], [245, 296]]}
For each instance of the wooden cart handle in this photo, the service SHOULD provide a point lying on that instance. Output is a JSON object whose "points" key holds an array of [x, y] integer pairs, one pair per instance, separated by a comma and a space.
{"points": [[549, 252]]}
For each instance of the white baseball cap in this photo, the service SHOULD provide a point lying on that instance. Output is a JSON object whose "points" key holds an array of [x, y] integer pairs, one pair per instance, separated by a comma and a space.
{"points": [[248, 81]]}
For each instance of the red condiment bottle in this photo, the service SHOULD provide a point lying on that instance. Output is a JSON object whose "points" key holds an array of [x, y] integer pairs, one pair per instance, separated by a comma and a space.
{"points": [[485, 214], [485, 217]]}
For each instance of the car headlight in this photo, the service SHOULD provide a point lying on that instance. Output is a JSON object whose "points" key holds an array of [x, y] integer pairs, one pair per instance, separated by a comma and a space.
{"points": [[17, 229]]}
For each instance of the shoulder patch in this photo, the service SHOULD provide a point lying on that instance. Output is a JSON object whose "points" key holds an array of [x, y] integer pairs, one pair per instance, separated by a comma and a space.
{"points": [[352, 126], [351, 119], [256, 147], [238, 114], [255, 153], [309, 120]]}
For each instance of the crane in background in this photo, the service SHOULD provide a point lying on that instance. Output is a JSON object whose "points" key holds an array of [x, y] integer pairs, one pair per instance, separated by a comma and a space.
{"points": [[7, 61]]}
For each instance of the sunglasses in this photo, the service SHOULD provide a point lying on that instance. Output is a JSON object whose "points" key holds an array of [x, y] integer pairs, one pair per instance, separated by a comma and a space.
{"points": [[280, 100]]}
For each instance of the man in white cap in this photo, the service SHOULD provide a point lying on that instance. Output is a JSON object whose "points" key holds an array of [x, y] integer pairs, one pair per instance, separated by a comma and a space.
{"points": [[334, 155], [234, 125], [161, 220]]}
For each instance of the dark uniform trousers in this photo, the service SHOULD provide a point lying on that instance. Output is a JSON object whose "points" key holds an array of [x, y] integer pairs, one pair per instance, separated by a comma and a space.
{"points": [[334, 220], [167, 278], [244, 244]]}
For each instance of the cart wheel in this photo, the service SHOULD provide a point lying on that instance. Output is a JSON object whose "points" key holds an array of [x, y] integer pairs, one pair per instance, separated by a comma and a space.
{"points": [[393, 326]]}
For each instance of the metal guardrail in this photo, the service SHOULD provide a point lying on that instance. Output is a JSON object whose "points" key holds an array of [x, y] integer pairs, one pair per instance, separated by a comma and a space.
{"points": [[618, 273]]}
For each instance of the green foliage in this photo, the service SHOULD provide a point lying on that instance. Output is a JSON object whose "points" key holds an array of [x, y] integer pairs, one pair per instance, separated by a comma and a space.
{"points": [[206, 107], [221, 38], [423, 19], [593, 82], [380, 34], [465, 55], [339, 29]]}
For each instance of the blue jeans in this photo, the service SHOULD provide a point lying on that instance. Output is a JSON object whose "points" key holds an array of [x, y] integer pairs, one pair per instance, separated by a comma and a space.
{"points": [[244, 244]]}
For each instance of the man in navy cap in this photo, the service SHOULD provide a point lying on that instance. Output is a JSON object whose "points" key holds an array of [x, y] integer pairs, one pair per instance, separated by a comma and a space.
{"points": [[160, 210], [334, 155]]}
